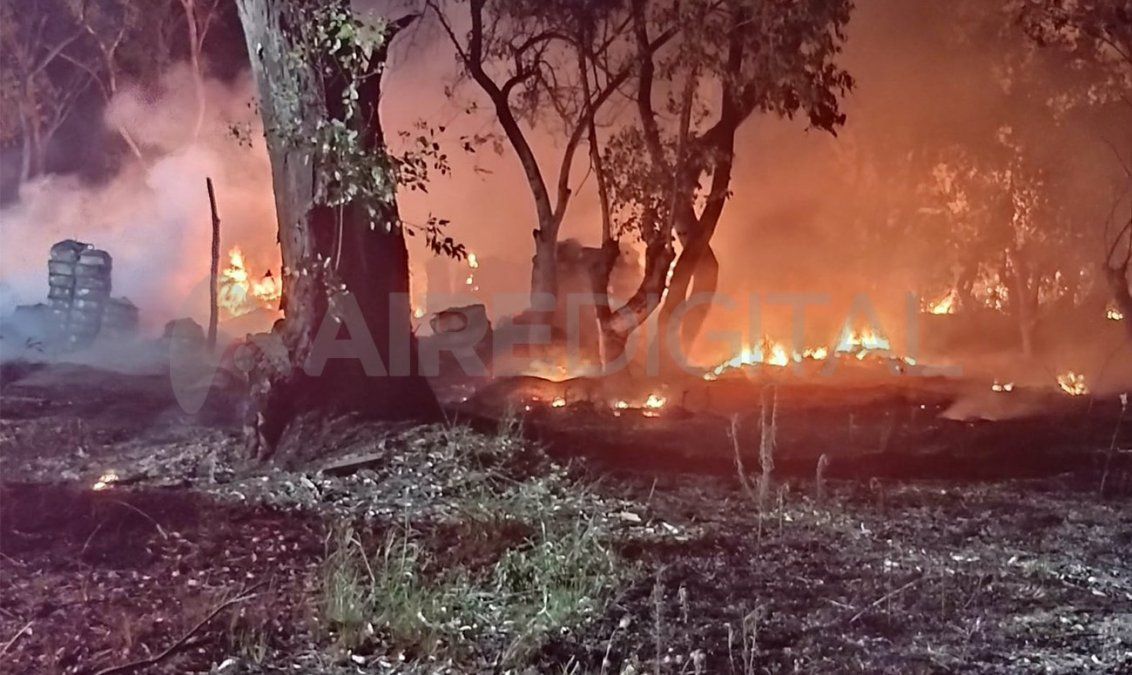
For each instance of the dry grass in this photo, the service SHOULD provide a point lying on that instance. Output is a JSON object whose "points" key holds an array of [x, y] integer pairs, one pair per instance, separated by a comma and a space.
{"points": [[457, 597]]}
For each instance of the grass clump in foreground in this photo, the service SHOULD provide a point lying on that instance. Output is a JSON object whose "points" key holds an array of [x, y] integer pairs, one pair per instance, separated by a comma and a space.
{"points": [[513, 561]]}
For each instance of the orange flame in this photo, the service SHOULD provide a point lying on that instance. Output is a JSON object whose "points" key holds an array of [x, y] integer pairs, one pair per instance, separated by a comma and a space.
{"points": [[862, 341], [945, 305], [238, 294], [1073, 383], [769, 352]]}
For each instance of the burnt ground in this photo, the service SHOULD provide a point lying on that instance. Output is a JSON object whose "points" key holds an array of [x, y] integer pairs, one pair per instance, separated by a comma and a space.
{"points": [[930, 545]]}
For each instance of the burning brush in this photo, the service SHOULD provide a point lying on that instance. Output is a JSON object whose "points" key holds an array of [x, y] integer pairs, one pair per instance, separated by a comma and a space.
{"points": [[1073, 383], [239, 294], [769, 352], [105, 481]]}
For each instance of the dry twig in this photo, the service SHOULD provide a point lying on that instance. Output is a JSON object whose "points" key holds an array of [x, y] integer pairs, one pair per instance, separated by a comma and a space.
{"points": [[171, 649], [9, 643], [886, 596]]}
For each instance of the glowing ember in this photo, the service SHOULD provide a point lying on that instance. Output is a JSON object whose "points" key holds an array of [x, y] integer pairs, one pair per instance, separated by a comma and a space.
{"points": [[621, 405], [1009, 386], [1072, 383], [655, 402], [105, 481], [473, 265], [558, 403], [238, 294], [945, 305], [1113, 313]]}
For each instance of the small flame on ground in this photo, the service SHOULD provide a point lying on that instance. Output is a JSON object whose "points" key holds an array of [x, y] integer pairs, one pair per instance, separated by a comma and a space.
{"points": [[768, 352], [945, 305], [818, 354], [105, 481], [558, 403], [1003, 387], [1113, 313], [653, 404], [778, 356], [860, 341], [1073, 383]]}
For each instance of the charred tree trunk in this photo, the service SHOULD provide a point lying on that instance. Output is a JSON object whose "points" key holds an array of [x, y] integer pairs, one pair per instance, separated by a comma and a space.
{"points": [[617, 326], [544, 272], [338, 262], [214, 270], [697, 260], [702, 270], [705, 282], [1024, 300]]}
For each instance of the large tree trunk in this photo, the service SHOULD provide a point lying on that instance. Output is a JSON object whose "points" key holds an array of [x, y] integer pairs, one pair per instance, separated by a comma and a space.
{"points": [[34, 153], [1024, 301], [544, 273], [617, 326], [705, 282], [324, 250]]}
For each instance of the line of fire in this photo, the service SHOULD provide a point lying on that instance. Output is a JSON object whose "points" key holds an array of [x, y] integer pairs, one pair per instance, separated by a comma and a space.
{"points": [[565, 336]]}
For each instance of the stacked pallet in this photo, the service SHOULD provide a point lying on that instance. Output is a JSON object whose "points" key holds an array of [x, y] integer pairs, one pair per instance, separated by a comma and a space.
{"points": [[79, 290]]}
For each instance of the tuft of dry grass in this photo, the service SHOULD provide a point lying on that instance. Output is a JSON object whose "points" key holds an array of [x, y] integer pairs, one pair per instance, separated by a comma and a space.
{"points": [[819, 478], [543, 569]]}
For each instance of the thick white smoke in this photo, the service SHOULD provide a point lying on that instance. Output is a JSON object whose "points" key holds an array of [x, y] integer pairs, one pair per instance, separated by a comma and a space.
{"points": [[153, 216]]}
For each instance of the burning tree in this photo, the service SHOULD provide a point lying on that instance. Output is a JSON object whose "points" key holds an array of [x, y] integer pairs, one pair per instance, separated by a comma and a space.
{"points": [[319, 70]]}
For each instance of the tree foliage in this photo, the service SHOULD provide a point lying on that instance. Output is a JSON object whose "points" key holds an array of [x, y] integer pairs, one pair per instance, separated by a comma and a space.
{"points": [[728, 60], [613, 75], [53, 53]]}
